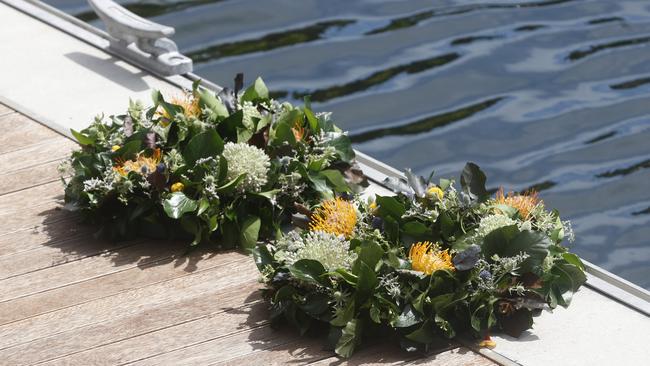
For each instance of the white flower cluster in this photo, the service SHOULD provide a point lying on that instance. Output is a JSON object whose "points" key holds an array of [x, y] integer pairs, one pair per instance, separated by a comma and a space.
{"points": [[96, 185], [503, 265], [331, 251], [249, 111], [390, 283], [247, 159], [490, 223], [174, 159], [568, 231], [210, 187], [322, 151]]}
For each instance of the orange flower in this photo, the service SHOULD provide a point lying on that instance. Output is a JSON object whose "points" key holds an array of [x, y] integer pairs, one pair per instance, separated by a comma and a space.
{"points": [[142, 164], [298, 132], [524, 203], [428, 258], [190, 104], [336, 216]]}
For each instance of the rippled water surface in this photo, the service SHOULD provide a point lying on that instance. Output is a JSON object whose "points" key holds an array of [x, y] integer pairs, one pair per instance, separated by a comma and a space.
{"points": [[553, 95]]}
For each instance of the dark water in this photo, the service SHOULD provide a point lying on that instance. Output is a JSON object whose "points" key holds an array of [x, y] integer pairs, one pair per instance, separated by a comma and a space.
{"points": [[553, 95]]}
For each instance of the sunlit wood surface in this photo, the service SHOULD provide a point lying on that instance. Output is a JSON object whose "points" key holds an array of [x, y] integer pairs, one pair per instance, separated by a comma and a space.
{"points": [[67, 298]]}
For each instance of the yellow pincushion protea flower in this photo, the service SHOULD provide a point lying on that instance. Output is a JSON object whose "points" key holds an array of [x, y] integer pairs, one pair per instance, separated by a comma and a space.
{"points": [[142, 164], [335, 216], [428, 258], [524, 203]]}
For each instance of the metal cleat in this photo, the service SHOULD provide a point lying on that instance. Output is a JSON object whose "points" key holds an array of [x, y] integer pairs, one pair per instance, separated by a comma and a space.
{"points": [[140, 40]]}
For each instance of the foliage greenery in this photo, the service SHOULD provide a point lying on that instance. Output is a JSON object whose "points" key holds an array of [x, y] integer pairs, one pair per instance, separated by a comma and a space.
{"points": [[429, 263], [228, 169]]}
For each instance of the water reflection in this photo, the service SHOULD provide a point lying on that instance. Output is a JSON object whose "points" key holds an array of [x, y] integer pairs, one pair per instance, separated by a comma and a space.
{"points": [[426, 124], [150, 8], [379, 77], [267, 42]]}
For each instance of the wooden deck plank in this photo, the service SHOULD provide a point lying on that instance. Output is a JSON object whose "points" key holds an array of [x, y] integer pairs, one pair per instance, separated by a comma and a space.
{"points": [[85, 269], [211, 271], [30, 177], [48, 150], [60, 228], [230, 324], [213, 302], [134, 273], [303, 350], [19, 202], [19, 131], [54, 254]]}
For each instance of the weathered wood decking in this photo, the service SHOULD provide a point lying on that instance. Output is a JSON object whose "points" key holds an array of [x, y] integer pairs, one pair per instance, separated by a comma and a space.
{"points": [[69, 299]]}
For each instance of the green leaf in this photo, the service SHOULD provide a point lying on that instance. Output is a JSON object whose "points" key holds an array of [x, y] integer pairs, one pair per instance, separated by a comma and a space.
{"points": [[209, 100], [472, 180], [311, 118], [82, 139], [262, 257], [345, 275], [415, 228], [444, 183], [343, 317], [203, 145], [282, 131], [343, 147], [223, 169], [375, 313], [230, 186], [509, 241], [568, 278], [517, 322], [320, 186], [315, 304], [366, 284], [350, 337], [269, 195], [574, 259], [507, 210], [307, 270], [407, 318], [250, 230], [203, 205], [191, 225], [256, 91], [370, 254], [447, 225], [213, 223], [424, 334], [229, 127], [390, 206], [336, 179], [178, 204], [158, 100], [445, 326], [129, 150]]}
